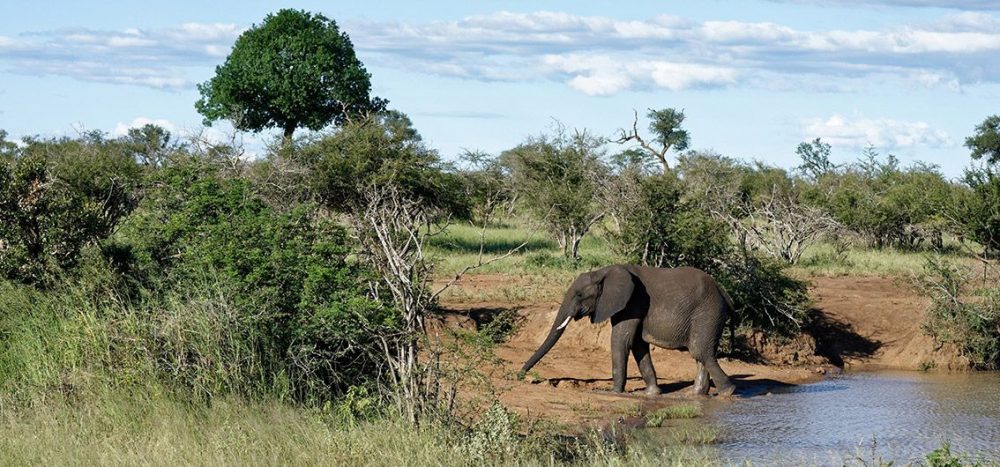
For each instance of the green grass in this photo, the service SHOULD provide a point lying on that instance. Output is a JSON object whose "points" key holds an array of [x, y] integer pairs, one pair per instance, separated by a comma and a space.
{"points": [[683, 411], [458, 247], [138, 430], [824, 260]]}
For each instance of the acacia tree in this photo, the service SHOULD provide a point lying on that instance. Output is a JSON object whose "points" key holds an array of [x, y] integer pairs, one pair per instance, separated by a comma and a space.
{"points": [[665, 124], [296, 69], [556, 176]]}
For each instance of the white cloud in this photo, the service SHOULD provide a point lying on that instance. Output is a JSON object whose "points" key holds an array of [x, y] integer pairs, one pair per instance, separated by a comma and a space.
{"points": [[885, 133], [601, 55], [602, 75], [121, 129], [151, 58]]}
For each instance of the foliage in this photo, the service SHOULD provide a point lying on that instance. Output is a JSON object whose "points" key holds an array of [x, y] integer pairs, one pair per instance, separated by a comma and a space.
{"points": [[486, 186], [294, 69], [815, 157], [766, 297], [979, 211], [986, 142], [58, 196], [659, 229], [887, 205], [971, 323], [287, 275], [668, 133], [383, 150], [557, 177], [494, 437]]}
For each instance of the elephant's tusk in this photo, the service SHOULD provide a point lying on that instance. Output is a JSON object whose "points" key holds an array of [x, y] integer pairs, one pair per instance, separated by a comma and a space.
{"points": [[564, 323]]}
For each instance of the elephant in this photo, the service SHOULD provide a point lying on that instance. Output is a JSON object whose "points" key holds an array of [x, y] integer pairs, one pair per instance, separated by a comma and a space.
{"points": [[672, 308]]}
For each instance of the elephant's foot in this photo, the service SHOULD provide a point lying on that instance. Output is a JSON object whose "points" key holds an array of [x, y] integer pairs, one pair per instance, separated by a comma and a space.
{"points": [[653, 390], [728, 390]]}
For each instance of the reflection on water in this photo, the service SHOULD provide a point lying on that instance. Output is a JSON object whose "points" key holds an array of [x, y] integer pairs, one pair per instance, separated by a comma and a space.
{"points": [[909, 414]]}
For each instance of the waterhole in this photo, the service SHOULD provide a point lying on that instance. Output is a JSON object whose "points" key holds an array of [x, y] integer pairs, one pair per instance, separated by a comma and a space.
{"points": [[861, 417]]}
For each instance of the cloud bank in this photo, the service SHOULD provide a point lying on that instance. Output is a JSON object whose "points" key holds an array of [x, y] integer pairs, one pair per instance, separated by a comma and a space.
{"points": [[860, 132], [600, 55], [156, 58]]}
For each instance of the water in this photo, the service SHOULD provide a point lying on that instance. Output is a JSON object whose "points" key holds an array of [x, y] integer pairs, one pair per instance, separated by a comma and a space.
{"points": [[909, 414]]}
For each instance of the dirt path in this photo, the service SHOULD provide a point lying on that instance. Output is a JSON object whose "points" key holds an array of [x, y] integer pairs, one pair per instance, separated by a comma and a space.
{"points": [[863, 322]]}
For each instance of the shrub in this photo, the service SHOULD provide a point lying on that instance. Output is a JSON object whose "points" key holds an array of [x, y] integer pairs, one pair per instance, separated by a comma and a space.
{"points": [[287, 276], [58, 196], [379, 151], [556, 177], [971, 323], [980, 210]]}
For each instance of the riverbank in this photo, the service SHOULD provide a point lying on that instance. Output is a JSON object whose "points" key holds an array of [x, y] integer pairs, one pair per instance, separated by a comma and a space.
{"points": [[862, 323]]}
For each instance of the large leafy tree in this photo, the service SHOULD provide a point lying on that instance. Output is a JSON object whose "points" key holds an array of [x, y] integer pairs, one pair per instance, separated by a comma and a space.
{"points": [[296, 69], [986, 142]]}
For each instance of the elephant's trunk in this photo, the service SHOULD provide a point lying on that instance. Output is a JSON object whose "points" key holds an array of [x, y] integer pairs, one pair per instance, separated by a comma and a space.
{"points": [[562, 320]]}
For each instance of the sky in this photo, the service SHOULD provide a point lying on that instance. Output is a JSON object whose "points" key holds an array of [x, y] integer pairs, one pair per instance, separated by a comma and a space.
{"points": [[755, 78]]}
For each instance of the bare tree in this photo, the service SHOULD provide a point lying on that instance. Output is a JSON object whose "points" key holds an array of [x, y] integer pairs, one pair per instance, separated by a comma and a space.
{"points": [[778, 225], [393, 230], [667, 132]]}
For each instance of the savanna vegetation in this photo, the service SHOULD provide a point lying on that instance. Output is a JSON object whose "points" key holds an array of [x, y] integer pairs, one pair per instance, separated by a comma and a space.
{"points": [[168, 302]]}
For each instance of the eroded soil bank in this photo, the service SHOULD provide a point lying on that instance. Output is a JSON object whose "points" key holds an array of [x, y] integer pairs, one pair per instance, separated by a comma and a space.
{"points": [[864, 322]]}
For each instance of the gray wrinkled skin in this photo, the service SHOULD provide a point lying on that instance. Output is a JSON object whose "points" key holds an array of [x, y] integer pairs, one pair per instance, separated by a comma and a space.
{"points": [[682, 308]]}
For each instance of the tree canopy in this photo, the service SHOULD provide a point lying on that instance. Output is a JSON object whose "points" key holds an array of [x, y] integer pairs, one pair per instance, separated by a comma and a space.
{"points": [[986, 141], [296, 69]]}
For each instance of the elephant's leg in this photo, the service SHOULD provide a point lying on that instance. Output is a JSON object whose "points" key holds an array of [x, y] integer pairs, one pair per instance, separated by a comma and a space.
{"points": [[643, 358], [623, 335], [719, 377], [701, 380]]}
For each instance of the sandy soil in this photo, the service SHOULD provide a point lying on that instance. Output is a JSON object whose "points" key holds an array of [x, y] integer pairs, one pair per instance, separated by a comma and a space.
{"points": [[863, 322], [872, 322]]}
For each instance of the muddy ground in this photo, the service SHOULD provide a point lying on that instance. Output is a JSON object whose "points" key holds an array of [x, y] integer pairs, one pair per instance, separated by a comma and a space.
{"points": [[862, 323]]}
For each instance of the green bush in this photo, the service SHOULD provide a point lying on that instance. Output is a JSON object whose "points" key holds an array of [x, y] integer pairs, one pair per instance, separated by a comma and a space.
{"points": [[58, 196], [379, 151], [663, 230], [288, 277], [971, 323], [980, 209]]}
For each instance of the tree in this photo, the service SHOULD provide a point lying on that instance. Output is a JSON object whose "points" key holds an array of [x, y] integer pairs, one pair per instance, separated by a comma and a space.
{"points": [[556, 177], [296, 69], [986, 141], [665, 125], [815, 157]]}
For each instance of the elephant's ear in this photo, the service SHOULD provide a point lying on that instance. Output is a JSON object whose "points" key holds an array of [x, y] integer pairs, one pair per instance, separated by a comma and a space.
{"points": [[616, 291]]}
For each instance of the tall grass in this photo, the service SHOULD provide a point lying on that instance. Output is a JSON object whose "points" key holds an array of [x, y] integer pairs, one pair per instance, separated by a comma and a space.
{"points": [[829, 259]]}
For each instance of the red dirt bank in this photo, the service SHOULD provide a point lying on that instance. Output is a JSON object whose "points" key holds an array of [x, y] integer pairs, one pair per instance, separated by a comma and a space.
{"points": [[864, 322]]}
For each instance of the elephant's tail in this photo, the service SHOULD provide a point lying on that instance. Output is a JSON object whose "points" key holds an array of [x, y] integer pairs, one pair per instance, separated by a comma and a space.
{"points": [[730, 317]]}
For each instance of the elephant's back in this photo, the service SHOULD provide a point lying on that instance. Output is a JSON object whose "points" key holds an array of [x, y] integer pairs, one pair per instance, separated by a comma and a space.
{"points": [[682, 301]]}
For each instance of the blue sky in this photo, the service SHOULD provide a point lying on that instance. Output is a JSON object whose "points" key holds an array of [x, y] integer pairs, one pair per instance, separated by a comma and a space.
{"points": [[755, 78]]}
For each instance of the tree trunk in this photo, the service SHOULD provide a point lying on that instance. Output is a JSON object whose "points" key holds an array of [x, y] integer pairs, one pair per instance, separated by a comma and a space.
{"points": [[286, 140]]}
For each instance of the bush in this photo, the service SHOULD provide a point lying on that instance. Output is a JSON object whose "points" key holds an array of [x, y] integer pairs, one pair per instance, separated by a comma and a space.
{"points": [[980, 209], [286, 277], [557, 178], [379, 151], [971, 323], [58, 196]]}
